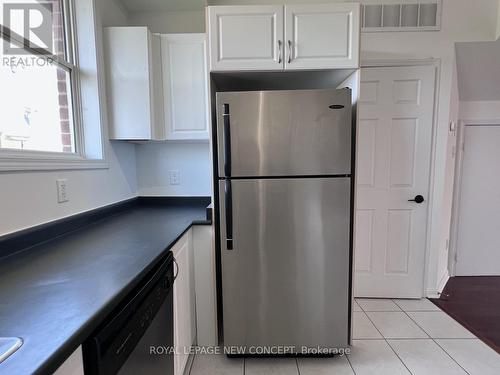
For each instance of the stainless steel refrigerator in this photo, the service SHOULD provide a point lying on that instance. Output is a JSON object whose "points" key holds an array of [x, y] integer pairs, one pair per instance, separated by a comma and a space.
{"points": [[284, 174]]}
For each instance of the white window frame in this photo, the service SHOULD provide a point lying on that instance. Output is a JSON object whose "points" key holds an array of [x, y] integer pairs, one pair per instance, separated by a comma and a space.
{"points": [[89, 111]]}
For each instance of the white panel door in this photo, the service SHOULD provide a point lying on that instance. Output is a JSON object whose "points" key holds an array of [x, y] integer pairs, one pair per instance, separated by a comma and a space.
{"points": [[393, 165], [478, 242], [246, 37], [322, 36], [185, 86]]}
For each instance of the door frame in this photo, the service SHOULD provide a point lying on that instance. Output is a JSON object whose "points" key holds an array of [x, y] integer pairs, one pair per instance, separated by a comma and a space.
{"points": [[457, 187], [436, 63]]}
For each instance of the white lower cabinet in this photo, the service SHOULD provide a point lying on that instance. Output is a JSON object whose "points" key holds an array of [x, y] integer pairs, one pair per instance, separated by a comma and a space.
{"points": [[184, 302], [206, 296]]}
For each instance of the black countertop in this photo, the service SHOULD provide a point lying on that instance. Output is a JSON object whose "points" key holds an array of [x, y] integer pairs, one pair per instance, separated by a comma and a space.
{"points": [[55, 294]]}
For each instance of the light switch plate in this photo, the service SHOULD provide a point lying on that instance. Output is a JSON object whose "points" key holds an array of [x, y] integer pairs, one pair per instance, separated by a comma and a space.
{"points": [[62, 190]]}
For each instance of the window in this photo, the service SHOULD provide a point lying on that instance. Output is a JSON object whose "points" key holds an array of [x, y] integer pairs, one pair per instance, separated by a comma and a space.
{"points": [[38, 110]]}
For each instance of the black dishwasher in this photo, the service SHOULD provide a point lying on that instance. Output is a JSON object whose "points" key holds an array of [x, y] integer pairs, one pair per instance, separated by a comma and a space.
{"points": [[138, 336]]}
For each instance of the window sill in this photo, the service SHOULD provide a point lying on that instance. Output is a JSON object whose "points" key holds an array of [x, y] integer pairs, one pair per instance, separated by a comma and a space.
{"points": [[16, 160]]}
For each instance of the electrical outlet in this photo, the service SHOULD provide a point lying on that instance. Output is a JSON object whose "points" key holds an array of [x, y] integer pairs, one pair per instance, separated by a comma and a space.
{"points": [[62, 190], [175, 177]]}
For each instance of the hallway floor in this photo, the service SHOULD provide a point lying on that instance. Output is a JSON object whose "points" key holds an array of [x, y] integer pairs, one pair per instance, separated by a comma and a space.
{"points": [[390, 337], [475, 303]]}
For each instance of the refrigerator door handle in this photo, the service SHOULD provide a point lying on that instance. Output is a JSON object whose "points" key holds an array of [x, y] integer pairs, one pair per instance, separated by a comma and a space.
{"points": [[227, 141], [229, 214]]}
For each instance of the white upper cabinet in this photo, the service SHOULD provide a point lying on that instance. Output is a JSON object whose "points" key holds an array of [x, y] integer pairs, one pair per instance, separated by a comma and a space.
{"points": [[134, 92], [246, 37], [185, 86], [322, 36], [313, 36], [157, 85]]}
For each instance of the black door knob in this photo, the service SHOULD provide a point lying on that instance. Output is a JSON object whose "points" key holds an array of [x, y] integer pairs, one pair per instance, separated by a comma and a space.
{"points": [[418, 199]]}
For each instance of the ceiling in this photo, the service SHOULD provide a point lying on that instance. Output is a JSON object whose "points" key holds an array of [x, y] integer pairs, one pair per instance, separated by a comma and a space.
{"points": [[163, 5], [478, 65]]}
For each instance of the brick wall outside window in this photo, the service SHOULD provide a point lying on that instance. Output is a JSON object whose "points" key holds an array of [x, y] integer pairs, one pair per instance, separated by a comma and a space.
{"points": [[62, 84]]}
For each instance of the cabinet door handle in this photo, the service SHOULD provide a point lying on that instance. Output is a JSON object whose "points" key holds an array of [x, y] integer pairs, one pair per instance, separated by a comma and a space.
{"points": [[290, 51], [280, 51]]}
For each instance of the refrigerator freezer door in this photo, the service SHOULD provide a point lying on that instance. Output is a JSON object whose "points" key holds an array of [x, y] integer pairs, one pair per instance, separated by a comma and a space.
{"points": [[284, 133], [286, 280]]}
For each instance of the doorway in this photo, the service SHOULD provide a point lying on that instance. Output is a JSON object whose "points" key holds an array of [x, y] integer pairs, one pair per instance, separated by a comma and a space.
{"points": [[478, 212], [395, 127]]}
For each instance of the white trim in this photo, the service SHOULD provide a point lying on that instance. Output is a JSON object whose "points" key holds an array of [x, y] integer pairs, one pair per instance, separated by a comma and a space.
{"points": [[381, 63], [457, 188], [436, 62], [432, 171], [101, 80], [26, 160], [472, 122], [443, 281], [436, 293], [455, 206]]}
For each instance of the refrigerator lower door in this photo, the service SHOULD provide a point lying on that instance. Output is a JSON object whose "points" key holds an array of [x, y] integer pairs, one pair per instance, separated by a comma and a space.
{"points": [[286, 279]]}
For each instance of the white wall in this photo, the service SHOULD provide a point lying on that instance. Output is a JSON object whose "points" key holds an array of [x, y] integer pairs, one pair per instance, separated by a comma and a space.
{"points": [[480, 110], [192, 160], [155, 160], [479, 70], [30, 198], [112, 12], [170, 22]]}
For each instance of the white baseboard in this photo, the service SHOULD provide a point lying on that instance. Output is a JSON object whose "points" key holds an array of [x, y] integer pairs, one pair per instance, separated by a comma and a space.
{"points": [[436, 293]]}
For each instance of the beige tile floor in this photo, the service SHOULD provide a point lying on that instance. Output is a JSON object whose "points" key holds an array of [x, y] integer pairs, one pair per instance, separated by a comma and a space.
{"points": [[389, 337]]}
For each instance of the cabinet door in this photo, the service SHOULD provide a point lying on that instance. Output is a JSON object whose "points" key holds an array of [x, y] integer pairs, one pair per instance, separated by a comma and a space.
{"points": [[185, 86], [128, 60], [246, 37], [322, 36], [158, 130], [184, 303]]}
